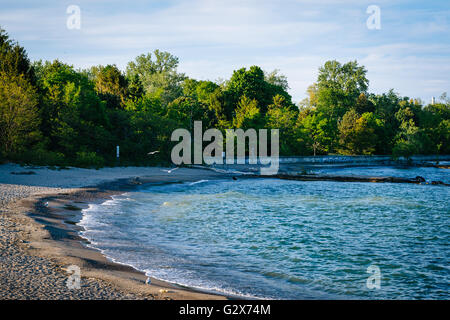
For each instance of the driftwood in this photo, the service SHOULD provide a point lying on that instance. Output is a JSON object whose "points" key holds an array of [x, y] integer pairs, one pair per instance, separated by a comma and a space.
{"points": [[316, 177]]}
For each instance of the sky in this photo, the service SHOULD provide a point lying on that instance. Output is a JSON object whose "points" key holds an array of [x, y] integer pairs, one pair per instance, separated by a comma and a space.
{"points": [[410, 52]]}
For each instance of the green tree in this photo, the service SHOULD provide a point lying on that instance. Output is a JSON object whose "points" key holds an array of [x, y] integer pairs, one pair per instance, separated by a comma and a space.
{"points": [[14, 59], [363, 104], [408, 140], [186, 110], [19, 117], [339, 86], [135, 88], [276, 79], [248, 114], [283, 118], [111, 85], [252, 84], [434, 120], [313, 132], [73, 117], [158, 75], [357, 134], [386, 106], [200, 90], [337, 90]]}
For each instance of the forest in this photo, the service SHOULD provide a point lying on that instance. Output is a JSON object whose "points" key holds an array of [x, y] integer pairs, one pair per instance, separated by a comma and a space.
{"points": [[52, 114]]}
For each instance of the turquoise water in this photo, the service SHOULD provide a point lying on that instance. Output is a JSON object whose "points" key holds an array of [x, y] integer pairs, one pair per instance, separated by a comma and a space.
{"points": [[282, 239]]}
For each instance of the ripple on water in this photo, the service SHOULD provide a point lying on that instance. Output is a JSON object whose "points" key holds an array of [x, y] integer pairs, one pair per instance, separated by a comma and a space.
{"points": [[283, 239]]}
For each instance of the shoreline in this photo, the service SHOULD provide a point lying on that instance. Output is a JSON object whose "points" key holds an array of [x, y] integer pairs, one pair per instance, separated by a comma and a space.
{"points": [[96, 263], [46, 228], [40, 237]]}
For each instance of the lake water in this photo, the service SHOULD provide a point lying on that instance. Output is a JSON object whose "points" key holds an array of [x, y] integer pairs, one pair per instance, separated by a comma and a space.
{"points": [[270, 238]]}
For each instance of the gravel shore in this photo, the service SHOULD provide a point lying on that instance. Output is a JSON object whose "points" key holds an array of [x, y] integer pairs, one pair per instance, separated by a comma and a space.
{"points": [[33, 264], [27, 276]]}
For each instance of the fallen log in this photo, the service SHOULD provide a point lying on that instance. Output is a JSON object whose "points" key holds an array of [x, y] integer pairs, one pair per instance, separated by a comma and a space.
{"points": [[315, 177], [431, 165]]}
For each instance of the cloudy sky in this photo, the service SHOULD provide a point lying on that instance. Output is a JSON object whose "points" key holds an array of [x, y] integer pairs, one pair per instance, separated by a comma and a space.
{"points": [[411, 51]]}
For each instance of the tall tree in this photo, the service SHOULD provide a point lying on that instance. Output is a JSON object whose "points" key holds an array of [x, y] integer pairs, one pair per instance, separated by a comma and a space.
{"points": [[19, 117], [279, 116], [158, 75], [110, 85], [252, 84], [14, 59], [73, 117], [357, 134], [313, 132], [248, 114], [339, 86]]}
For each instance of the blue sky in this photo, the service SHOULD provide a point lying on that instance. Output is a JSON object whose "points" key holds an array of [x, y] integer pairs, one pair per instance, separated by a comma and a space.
{"points": [[410, 53]]}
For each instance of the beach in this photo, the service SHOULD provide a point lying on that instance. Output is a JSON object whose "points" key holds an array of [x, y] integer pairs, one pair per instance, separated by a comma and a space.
{"points": [[39, 239], [216, 235]]}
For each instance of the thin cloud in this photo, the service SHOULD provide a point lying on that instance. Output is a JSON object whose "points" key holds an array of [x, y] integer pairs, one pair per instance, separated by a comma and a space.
{"points": [[410, 53]]}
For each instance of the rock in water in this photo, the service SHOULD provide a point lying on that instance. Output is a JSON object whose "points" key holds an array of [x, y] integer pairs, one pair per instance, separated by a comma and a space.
{"points": [[420, 179], [24, 173]]}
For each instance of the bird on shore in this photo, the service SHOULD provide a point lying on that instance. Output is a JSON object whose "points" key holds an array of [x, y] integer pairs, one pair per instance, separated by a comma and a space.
{"points": [[148, 281], [171, 170], [152, 152]]}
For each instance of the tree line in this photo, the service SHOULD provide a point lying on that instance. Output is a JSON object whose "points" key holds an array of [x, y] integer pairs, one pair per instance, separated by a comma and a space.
{"points": [[53, 114]]}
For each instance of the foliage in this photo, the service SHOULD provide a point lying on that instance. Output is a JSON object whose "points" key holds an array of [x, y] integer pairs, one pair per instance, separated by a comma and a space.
{"points": [[88, 159], [19, 117], [247, 114], [157, 74], [357, 133], [252, 84], [52, 114], [111, 85], [14, 59]]}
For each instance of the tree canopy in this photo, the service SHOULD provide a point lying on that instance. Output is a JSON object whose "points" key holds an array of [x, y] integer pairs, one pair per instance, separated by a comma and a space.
{"points": [[51, 113]]}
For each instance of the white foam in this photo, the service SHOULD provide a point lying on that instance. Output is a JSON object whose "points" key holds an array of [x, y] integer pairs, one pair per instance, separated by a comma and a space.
{"points": [[92, 223], [197, 182]]}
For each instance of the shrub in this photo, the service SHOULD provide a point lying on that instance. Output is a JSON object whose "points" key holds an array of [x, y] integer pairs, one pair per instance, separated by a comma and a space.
{"points": [[40, 156], [89, 159], [404, 148]]}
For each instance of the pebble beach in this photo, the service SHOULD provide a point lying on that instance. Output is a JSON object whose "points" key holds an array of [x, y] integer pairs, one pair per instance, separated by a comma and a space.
{"points": [[33, 265]]}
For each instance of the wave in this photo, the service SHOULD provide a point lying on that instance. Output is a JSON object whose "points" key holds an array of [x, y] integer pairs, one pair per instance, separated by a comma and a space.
{"points": [[197, 182], [94, 227]]}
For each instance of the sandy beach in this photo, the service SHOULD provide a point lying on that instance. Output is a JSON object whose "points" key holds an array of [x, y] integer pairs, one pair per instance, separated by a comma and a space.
{"points": [[39, 209]]}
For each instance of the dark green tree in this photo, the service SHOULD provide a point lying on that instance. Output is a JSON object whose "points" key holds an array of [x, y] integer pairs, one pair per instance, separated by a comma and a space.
{"points": [[111, 85], [14, 59], [19, 116]]}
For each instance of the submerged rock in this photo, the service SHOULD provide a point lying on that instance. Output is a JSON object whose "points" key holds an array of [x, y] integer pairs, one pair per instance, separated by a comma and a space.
{"points": [[420, 179]]}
